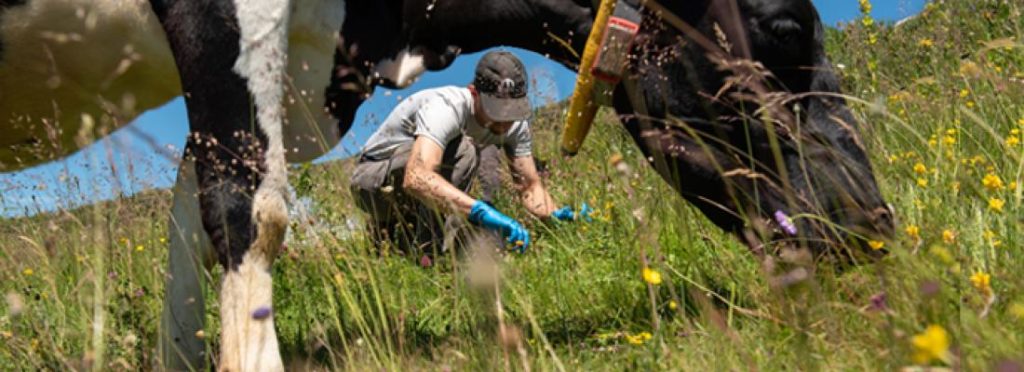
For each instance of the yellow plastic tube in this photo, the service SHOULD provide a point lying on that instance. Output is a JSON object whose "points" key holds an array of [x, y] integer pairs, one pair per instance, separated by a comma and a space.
{"points": [[582, 107]]}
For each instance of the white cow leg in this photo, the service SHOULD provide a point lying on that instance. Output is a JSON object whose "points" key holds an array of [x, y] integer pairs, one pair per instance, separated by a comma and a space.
{"points": [[248, 339], [182, 346]]}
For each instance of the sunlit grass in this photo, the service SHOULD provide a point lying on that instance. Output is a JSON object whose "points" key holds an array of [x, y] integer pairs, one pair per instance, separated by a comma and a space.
{"points": [[940, 99]]}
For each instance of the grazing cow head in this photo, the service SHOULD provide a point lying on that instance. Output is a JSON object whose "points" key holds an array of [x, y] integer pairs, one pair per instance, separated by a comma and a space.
{"points": [[736, 104]]}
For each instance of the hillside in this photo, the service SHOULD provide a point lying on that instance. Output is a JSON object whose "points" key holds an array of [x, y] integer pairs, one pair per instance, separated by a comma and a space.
{"points": [[941, 99]]}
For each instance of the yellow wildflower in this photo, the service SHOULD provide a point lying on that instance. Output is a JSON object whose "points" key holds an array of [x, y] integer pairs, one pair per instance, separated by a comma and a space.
{"points": [[970, 104], [1020, 122], [139, 248], [876, 245], [865, 6], [992, 182], [983, 282], [672, 305], [920, 168], [964, 93], [932, 344], [914, 232], [996, 204], [948, 236], [163, 240], [949, 140], [28, 271], [926, 42], [991, 238], [1012, 141], [651, 276], [639, 338], [868, 21], [923, 182]]}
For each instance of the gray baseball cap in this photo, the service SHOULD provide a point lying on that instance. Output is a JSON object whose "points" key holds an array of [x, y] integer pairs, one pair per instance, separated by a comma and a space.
{"points": [[501, 81]]}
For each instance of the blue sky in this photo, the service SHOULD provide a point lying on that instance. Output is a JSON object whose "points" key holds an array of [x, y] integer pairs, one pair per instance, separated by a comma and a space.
{"points": [[142, 155]]}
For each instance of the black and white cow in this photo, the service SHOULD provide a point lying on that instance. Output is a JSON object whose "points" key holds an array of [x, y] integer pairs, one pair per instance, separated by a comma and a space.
{"points": [[270, 81]]}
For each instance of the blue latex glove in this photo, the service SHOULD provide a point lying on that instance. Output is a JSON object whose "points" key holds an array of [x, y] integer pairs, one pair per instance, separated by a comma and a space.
{"points": [[567, 214], [483, 214]]}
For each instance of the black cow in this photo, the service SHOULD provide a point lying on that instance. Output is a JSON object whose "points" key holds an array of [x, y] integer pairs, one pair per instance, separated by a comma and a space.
{"points": [[721, 129]]}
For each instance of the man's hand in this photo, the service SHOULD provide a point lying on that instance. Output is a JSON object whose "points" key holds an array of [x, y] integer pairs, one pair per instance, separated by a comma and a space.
{"points": [[567, 214], [483, 214]]}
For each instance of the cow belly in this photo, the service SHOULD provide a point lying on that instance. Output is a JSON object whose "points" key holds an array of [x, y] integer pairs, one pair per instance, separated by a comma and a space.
{"points": [[63, 59], [310, 131]]}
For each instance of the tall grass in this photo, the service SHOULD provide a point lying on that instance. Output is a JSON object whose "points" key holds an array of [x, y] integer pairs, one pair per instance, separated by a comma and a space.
{"points": [[940, 98]]}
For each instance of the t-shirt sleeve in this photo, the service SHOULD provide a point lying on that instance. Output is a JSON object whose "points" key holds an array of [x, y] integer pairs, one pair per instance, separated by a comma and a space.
{"points": [[520, 141], [437, 120]]}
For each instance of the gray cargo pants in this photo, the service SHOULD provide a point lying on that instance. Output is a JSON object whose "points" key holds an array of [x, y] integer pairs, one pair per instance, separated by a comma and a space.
{"points": [[401, 219]]}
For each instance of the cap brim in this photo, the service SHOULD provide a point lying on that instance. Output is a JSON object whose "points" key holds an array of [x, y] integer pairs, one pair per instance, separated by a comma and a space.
{"points": [[506, 109]]}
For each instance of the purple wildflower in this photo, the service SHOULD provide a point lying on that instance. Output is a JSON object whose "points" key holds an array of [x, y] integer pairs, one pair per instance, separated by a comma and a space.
{"points": [[261, 313], [425, 261], [785, 223], [878, 302]]}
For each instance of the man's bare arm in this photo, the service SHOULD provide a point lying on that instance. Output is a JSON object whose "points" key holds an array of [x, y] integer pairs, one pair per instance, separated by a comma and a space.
{"points": [[534, 195], [423, 181]]}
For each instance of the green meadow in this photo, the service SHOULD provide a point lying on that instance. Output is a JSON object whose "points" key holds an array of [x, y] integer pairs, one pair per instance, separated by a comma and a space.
{"points": [[648, 284]]}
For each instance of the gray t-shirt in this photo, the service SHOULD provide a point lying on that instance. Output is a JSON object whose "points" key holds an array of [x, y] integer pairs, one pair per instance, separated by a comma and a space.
{"points": [[442, 114]]}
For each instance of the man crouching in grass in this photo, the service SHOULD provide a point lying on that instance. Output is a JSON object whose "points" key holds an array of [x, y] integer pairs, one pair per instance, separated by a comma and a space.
{"points": [[419, 164]]}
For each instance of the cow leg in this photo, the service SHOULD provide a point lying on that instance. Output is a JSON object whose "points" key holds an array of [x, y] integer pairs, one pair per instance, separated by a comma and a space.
{"points": [[223, 51], [190, 254]]}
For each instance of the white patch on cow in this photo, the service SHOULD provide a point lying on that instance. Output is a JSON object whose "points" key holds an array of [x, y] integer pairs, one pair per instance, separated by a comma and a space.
{"points": [[249, 344], [309, 130], [66, 58], [402, 70]]}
